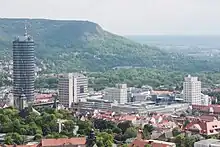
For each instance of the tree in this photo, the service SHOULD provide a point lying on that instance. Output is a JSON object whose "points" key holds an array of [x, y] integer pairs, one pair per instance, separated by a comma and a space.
{"points": [[176, 131], [84, 127], [179, 140], [103, 124], [130, 133], [186, 123], [148, 129], [38, 137], [124, 125], [8, 140], [104, 139], [189, 141], [116, 130]]}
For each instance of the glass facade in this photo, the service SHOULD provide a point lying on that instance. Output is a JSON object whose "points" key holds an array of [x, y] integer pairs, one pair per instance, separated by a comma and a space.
{"points": [[23, 67]]}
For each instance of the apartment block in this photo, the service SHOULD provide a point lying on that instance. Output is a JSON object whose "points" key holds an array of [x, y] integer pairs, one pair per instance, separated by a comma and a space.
{"points": [[192, 90], [72, 87]]}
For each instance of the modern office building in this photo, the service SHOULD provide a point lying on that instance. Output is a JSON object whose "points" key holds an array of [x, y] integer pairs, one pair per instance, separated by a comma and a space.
{"points": [[72, 87], [192, 90], [23, 68], [118, 93]]}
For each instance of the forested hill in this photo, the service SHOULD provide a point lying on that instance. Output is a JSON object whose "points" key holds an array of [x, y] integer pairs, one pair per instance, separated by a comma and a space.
{"points": [[82, 45]]}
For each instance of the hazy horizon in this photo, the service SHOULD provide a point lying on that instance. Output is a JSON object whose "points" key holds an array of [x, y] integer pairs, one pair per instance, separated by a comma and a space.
{"points": [[126, 17]]}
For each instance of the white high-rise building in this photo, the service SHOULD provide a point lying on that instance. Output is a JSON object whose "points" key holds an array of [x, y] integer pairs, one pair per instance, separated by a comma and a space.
{"points": [[72, 87], [118, 93], [192, 90]]}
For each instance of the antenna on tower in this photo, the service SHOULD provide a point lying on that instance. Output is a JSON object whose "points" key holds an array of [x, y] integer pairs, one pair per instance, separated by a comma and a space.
{"points": [[25, 28]]}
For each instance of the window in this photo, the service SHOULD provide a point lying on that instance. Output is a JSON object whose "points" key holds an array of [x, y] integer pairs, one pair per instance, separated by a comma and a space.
{"points": [[81, 89]]}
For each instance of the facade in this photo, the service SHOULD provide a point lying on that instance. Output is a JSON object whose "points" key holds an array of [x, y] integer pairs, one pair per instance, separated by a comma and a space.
{"points": [[192, 90], [118, 93], [105, 106], [72, 87], [23, 67]]}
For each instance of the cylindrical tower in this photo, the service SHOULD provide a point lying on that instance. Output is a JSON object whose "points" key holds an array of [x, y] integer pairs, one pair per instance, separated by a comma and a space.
{"points": [[23, 67]]}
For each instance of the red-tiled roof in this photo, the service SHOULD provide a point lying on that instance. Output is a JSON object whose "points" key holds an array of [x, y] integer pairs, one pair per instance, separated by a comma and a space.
{"points": [[44, 96], [204, 127], [153, 143], [162, 92], [35, 145], [62, 141], [207, 118], [128, 117]]}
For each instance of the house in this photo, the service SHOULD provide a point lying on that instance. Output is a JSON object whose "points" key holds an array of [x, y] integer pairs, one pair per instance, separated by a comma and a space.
{"points": [[132, 118], [204, 127], [3, 105], [213, 109], [153, 143], [61, 142]]}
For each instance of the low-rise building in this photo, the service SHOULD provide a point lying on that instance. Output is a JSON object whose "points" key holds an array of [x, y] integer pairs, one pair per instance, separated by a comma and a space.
{"points": [[204, 127], [118, 93], [207, 143]]}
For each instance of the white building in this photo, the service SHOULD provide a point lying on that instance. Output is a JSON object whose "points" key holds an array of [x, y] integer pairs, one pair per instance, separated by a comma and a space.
{"points": [[72, 87], [208, 143], [205, 100], [192, 90], [118, 93]]}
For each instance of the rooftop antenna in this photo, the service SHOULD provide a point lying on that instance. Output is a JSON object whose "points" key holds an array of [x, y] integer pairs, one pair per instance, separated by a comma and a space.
{"points": [[25, 28]]}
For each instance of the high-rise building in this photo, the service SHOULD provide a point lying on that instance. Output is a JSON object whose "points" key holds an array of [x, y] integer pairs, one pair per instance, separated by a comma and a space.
{"points": [[23, 68], [192, 90], [118, 93], [72, 87]]}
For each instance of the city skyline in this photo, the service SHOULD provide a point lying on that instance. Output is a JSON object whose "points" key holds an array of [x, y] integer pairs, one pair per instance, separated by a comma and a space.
{"points": [[126, 17]]}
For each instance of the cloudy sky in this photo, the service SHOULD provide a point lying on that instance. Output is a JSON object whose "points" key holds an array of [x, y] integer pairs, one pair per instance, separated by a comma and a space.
{"points": [[126, 17]]}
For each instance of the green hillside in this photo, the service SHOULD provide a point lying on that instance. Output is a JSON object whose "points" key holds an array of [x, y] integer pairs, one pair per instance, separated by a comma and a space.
{"points": [[82, 45]]}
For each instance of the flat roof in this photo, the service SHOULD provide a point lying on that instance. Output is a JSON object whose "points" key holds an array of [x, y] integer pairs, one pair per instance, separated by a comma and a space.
{"points": [[209, 141]]}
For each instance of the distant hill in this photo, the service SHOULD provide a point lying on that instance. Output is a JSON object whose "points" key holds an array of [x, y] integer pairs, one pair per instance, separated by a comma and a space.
{"points": [[83, 45]]}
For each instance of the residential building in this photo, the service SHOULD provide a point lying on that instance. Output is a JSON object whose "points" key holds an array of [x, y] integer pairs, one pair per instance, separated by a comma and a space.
{"points": [[204, 127], [215, 109], [192, 90], [207, 143], [23, 67], [118, 94], [205, 100], [72, 87]]}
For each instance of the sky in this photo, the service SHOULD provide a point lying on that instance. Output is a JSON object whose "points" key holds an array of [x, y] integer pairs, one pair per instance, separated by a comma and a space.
{"points": [[126, 17]]}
